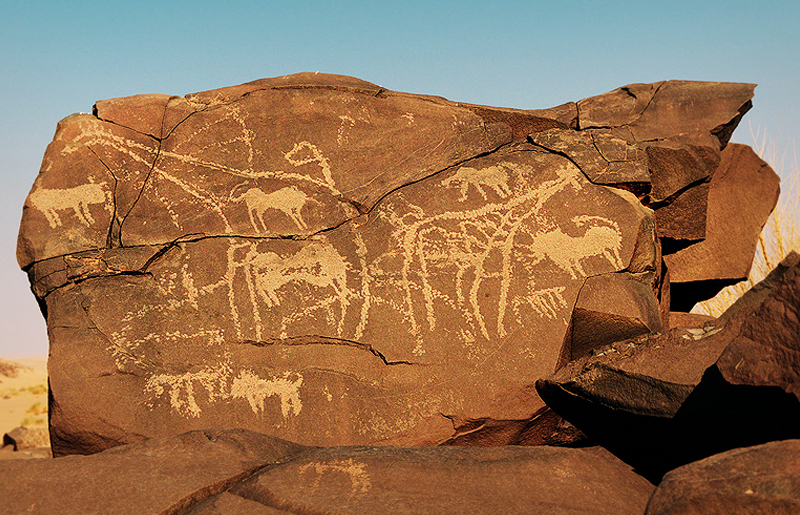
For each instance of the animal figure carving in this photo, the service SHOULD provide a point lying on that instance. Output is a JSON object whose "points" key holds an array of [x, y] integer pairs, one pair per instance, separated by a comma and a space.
{"points": [[78, 199], [318, 265], [288, 200], [492, 177], [568, 252]]}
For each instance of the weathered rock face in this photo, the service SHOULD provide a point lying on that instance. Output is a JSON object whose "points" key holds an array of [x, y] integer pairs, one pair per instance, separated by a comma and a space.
{"points": [[330, 262], [241, 472], [763, 479], [740, 197], [661, 401], [157, 476]]}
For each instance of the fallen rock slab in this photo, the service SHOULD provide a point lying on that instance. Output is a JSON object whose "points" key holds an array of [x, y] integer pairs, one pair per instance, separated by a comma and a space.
{"points": [[153, 477], [764, 479], [444, 480], [664, 400], [238, 471]]}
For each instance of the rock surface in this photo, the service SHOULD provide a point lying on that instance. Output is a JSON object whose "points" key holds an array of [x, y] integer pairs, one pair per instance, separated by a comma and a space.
{"points": [[741, 195], [237, 471], [764, 479], [331, 262], [157, 476], [665, 400]]}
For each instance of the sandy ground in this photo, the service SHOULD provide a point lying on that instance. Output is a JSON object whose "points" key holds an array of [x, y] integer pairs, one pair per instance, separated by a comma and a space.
{"points": [[23, 398]]}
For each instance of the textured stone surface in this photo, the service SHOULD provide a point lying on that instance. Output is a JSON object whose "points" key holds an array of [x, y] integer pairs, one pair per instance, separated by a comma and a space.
{"points": [[321, 259], [240, 472], [157, 476], [764, 479], [450, 480], [741, 195], [664, 400]]}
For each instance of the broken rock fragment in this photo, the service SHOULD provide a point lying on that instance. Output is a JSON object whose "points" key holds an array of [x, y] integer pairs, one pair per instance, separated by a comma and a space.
{"points": [[741, 195], [664, 400]]}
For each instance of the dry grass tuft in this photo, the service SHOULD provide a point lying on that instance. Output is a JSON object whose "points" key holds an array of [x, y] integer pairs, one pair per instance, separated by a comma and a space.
{"points": [[781, 233]]}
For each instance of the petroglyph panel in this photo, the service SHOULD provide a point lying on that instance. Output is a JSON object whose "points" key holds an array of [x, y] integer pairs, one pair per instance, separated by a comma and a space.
{"points": [[78, 199], [323, 260], [442, 278]]}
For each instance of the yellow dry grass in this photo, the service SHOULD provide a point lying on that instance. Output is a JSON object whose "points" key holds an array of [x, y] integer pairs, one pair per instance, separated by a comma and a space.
{"points": [[781, 233]]}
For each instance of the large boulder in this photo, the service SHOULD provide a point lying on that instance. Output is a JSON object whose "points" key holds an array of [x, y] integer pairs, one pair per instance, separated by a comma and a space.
{"points": [[322, 259]]}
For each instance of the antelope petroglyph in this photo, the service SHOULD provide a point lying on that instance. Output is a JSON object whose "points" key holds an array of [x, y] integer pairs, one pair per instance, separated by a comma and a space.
{"points": [[288, 200], [78, 199]]}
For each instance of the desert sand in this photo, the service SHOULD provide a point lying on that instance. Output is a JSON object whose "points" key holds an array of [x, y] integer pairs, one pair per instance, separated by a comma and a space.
{"points": [[23, 393]]}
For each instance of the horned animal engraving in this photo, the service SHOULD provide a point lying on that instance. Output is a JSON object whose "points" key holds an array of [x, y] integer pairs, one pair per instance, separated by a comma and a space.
{"points": [[600, 238], [288, 200], [78, 199], [492, 177]]}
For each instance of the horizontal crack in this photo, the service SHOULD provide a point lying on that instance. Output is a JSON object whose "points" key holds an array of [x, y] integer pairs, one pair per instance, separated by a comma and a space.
{"points": [[323, 340]]}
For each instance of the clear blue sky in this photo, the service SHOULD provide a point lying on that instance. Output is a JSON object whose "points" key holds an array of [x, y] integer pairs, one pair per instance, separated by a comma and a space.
{"points": [[57, 58]]}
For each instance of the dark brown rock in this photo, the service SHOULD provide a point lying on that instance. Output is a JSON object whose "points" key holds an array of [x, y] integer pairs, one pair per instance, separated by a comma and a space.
{"points": [[596, 322], [665, 400], [448, 480], [743, 191], [604, 158], [543, 428], [685, 217], [158, 476], [764, 479], [674, 169], [237, 471], [703, 113], [681, 319]]}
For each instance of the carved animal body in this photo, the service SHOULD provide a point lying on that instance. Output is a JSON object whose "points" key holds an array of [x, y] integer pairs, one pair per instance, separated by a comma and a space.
{"points": [[317, 265], [568, 252], [492, 177], [78, 199], [288, 200]]}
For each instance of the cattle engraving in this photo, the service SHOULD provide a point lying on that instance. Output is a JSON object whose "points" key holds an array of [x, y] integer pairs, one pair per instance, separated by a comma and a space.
{"points": [[288, 200], [77, 199]]}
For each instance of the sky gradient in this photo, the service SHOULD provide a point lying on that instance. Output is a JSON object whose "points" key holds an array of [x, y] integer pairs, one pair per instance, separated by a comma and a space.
{"points": [[58, 58]]}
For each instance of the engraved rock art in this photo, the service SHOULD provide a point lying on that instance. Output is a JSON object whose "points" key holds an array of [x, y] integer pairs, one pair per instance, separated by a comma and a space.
{"points": [[78, 199], [384, 268], [288, 200]]}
